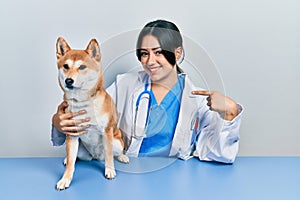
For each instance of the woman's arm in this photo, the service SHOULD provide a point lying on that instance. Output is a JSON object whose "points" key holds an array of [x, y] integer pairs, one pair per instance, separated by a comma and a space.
{"points": [[219, 131]]}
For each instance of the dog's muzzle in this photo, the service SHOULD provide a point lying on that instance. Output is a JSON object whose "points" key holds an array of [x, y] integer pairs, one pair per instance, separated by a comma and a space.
{"points": [[69, 83]]}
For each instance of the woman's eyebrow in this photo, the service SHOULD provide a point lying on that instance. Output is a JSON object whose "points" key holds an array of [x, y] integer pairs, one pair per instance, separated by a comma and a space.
{"points": [[153, 49]]}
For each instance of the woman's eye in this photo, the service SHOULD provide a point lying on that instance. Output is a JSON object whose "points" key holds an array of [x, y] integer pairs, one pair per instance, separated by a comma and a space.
{"points": [[143, 53], [66, 66], [82, 67], [158, 52]]}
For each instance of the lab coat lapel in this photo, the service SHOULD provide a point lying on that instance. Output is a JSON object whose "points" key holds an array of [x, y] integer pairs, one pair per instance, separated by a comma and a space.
{"points": [[188, 109]]}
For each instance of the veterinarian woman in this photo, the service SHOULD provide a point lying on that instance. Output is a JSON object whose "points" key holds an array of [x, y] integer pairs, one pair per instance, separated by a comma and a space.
{"points": [[162, 113]]}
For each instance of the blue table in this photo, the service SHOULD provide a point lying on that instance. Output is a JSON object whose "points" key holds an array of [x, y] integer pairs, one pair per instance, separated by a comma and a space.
{"points": [[267, 178]]}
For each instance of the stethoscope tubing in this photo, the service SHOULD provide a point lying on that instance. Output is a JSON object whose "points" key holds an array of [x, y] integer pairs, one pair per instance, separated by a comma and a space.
{"points": [[145, 92]]}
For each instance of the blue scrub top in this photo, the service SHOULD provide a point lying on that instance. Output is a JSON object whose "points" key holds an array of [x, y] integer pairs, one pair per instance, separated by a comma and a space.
{"points": [[162, 122]]}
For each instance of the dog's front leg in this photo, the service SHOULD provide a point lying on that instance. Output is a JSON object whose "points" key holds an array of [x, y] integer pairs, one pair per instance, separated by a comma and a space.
{"points": [[110, 172], [72, 149]]}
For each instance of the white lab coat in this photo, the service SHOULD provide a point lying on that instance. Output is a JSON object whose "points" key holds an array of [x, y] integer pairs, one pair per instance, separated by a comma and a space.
{"points": [[217, 139]]}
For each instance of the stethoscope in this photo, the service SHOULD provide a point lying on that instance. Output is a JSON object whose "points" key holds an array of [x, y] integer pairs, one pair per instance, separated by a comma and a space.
{"points": [[145, 94]]}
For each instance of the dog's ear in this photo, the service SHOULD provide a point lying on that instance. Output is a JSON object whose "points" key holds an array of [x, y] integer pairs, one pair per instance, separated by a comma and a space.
{"points": [[62, 47], [93, 50]]}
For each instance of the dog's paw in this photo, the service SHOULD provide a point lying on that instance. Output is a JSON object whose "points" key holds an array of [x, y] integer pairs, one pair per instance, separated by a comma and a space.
{"points": [[63, 183], [123, 158], [110, 173]]}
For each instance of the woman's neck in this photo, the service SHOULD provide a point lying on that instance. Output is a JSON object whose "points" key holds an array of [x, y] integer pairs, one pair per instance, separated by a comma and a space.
{"points": [[161, 88]]}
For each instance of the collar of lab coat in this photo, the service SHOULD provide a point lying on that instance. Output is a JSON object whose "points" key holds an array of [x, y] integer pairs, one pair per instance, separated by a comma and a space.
{"points": [[188, 109]]}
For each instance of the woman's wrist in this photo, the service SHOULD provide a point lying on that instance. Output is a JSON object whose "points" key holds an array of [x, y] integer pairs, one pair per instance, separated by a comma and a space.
{"points": [[55, 122]]}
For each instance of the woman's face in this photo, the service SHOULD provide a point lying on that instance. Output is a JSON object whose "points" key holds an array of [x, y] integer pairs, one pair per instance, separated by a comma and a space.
{"points": [[154, 62]]}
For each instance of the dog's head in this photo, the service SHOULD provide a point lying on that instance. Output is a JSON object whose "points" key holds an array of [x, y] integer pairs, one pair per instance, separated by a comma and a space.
{"points": [[78, 69]]}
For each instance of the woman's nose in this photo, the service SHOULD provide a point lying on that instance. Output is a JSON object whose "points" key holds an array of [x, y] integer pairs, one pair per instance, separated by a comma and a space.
{"points": [[151, 59]]}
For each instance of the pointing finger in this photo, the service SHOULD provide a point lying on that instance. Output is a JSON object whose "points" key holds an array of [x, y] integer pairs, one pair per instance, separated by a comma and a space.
{"points": [[202, 92]]}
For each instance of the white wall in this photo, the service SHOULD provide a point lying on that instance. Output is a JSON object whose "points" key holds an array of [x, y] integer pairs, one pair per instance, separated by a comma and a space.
{"points": [[255, 46]]}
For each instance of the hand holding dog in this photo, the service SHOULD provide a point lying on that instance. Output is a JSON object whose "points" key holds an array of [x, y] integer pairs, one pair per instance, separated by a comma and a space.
{"points": [[220, 103], [63, 121]]}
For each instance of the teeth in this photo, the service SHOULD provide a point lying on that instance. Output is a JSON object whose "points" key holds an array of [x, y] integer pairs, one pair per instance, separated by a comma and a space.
{"points": [[154, 69]]}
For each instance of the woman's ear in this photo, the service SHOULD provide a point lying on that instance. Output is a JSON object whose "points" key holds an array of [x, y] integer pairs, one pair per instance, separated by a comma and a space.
{"points": [[178, 53]]}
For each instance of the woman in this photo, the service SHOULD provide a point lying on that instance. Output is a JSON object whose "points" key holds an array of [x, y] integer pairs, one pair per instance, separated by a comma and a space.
{"points": [[161, 112]]}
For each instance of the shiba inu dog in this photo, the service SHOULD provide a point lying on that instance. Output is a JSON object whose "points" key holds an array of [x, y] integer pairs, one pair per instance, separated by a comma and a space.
{"points": [[81, 79]]}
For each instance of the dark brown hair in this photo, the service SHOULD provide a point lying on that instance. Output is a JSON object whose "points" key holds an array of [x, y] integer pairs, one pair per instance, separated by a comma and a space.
{"points": [[168, 36]]}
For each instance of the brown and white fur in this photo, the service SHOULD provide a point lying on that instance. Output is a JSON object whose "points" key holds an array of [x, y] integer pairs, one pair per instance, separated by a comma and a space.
{"points": [[81, 79]]}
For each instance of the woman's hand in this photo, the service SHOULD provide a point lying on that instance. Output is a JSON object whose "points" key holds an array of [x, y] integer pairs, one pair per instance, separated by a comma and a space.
{"points": [[220, 103], [63, 121]]}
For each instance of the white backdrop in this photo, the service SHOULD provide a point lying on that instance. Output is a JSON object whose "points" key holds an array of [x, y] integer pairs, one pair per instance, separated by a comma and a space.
{"points": [[255, 46]]}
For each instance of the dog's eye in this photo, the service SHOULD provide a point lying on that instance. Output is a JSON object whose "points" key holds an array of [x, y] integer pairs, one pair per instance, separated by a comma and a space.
{"points": [[66, 66], [82, 67]]}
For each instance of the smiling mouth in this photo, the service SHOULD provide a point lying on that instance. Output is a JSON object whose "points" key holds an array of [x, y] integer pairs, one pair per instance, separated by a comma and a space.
{"points": [[154, 69]]}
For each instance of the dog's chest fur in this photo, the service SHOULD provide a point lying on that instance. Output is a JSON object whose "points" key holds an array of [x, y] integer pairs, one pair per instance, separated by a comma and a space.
{"points": [[94, 139]]}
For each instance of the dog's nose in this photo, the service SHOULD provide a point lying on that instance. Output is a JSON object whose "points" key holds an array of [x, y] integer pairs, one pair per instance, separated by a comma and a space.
{"points": [[69, 82]]}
